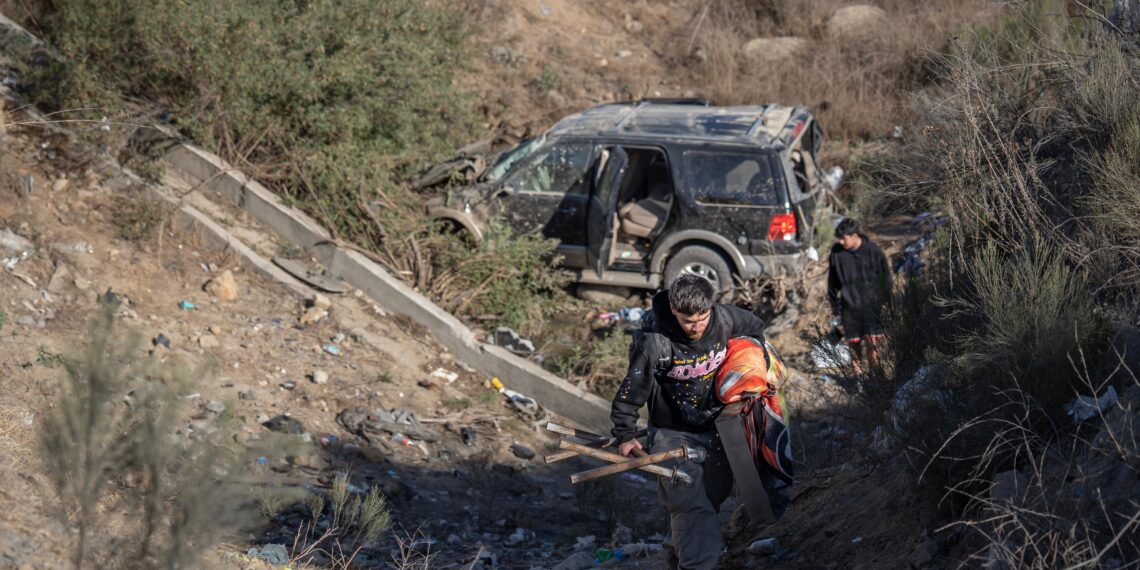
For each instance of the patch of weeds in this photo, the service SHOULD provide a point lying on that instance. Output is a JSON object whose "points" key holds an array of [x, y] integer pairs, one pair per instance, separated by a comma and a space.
{"points": [[3, 319], [290, 251], [48, 359], [384, 377], [549, 79], [457, 404], [488, 398], [138, 216]]}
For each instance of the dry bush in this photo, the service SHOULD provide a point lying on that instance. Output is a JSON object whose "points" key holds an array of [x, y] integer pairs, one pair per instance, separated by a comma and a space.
{"points": [[1062, 501], [856, 81]]}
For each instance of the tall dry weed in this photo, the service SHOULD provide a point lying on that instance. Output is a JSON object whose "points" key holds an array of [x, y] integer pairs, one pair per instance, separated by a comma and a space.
{"points": [[137, 493]]}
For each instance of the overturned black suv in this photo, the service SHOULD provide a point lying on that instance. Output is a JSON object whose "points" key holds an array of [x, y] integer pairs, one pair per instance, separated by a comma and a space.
{"points": [[639, 193]]}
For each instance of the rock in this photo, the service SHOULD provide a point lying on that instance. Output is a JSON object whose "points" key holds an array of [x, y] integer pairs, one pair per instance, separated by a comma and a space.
{"points": [[773, 49], [216, 406], [622, 535], [247, 395], [82, 284], [576, 561], [272, 553], [288, 385], [59, 185], [13, 245], [312, 315], [622, 54], [557, 99], [319, 301], [764, 546], [284, 424], [320, 377], [634, 26], [604, 295], [518, 536], [223, 287], [208, 341], [858, 21], [522, 452], [58, 278], [27, 321]]}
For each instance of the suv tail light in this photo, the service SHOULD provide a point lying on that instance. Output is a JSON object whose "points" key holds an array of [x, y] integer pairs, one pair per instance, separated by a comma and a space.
{"points": [[783, 227]]}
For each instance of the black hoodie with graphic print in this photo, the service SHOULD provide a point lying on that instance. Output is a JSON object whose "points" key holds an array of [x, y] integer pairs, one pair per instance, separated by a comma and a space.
{"points": [[675, 375]]}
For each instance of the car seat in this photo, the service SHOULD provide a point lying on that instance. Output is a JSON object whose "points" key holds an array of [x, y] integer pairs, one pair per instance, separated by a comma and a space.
{"points": [[644, 216]]}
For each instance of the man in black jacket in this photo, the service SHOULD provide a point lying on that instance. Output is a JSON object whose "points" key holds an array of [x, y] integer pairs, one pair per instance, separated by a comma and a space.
{"points": [[673, 362], [858, 285]]}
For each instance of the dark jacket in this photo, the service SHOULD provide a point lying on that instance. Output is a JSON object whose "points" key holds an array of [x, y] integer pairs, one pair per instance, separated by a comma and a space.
{"points": [[859, 280], [674, 375]]}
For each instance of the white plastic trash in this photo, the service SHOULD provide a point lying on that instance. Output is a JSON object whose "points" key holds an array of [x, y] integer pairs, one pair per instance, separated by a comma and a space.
{"points": [[1085, 407]]}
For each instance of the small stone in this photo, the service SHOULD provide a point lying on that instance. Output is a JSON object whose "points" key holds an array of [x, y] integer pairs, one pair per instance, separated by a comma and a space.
{"points": [[27, 321], [223, 287], [215, 329], [247, 395], [320, 377], [216, 406], [319, 301], [622, 54], [288, 385], [312, 315], [82, 284], [58, 278], [59, 185], [522, 452], [208, 341], [923, 553]]}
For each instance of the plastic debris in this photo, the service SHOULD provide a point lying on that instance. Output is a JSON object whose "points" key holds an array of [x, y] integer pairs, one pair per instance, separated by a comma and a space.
{"points": [[328, 440], [443, 374], [187, 305], [856, 540], [527, 406], [332, 349], [161, 340], [826, 355], [834, 177], [284, 424], [262, 460], [507, 338], [1086, 407]]}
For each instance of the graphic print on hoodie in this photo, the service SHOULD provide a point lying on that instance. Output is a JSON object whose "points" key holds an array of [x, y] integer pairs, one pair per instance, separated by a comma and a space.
{"points": [[675, 375]]}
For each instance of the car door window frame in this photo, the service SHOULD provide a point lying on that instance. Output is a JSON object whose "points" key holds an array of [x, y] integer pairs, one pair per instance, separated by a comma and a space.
{"points": [[540, 155]]}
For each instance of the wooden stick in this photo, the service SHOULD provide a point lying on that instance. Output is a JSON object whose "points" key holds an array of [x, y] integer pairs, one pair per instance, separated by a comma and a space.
{"points": [[680, 452], [672, 474]]}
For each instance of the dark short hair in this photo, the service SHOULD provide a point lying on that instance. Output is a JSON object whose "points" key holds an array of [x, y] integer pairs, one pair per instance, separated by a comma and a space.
{"points": [[691, 294], [847, 227]]}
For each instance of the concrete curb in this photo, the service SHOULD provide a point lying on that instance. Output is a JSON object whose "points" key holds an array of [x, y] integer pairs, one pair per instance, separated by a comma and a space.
{"points": [[554, 393]]}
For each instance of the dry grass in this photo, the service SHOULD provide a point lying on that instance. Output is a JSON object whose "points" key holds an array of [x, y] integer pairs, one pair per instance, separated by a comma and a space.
{"points": [[856, 81]]}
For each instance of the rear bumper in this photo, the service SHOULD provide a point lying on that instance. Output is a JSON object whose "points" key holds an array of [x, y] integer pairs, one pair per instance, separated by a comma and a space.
{"points": [[773, 265]]}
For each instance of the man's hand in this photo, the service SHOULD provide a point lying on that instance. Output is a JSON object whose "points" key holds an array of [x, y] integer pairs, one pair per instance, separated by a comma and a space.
{"points": [[626, 449]]}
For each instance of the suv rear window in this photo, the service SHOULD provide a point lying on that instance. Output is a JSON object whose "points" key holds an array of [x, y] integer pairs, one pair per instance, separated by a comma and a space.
{"points": [[730, 179]]}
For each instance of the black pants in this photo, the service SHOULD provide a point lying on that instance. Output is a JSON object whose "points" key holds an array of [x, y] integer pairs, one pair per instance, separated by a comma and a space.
{"points": [[695, 534]]}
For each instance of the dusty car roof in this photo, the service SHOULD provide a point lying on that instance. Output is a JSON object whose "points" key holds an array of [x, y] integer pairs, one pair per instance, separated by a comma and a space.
{"points": [[766, 125]]}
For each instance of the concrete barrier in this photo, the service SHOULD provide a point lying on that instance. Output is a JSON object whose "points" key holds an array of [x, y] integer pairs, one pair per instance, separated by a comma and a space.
{"points": [[554, 393]]}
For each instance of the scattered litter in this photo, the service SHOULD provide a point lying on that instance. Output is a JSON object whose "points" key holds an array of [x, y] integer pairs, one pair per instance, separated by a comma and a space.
{"points": [[332, 349], [1086, 407], [519, 535], [262, 460], [507, 338], [827, 355], [369, 424], [834, 177], [161, 340], [764, 546], [527, 406], [586, 541], [328, 440], [467, 433], [639, 549], [401, 439], [186, 305], [923, 387], [443, 374], [856, 540], [288, 385], [271, 553]]}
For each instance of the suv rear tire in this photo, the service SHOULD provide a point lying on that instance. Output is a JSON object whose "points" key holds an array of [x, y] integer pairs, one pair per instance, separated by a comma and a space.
{"points": [[703, 261]]}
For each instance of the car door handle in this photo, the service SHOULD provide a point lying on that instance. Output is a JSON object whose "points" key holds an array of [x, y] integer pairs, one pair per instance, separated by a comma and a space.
{"points": [[567, 209]]}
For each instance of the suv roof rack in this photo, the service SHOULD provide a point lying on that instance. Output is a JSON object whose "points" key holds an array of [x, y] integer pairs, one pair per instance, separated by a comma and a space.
{"points": [[698, 101]]}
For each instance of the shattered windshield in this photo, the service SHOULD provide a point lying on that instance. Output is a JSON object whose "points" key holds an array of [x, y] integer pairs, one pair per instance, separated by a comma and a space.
{"points": [[513, 156]]}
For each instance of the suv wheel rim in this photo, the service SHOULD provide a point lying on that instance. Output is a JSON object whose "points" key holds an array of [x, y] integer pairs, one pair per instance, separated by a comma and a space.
{"points": [[703, 270]]}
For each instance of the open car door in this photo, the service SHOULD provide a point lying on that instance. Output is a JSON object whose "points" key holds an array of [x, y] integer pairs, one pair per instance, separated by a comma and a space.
{"points": [[603, 201]]}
